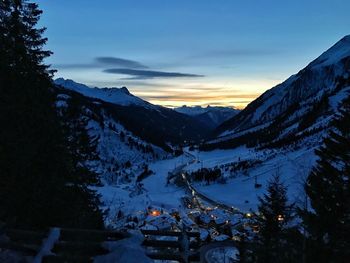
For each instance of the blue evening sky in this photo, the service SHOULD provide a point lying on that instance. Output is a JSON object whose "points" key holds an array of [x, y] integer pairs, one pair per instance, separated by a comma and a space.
{"points": [[194, 52]]}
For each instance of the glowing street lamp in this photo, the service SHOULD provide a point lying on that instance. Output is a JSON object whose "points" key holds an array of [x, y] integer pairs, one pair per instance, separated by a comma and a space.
{"points": [[155, 213]]}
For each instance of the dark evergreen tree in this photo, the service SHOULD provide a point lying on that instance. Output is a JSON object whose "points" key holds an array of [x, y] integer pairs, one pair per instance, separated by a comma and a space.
{"points": [[272, 223], [328, 187], [82, 147], [38, 186], [244, 248]]}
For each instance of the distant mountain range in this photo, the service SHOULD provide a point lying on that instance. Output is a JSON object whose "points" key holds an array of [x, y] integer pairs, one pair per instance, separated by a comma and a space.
{"points": [[297, 109], [211, 116]]}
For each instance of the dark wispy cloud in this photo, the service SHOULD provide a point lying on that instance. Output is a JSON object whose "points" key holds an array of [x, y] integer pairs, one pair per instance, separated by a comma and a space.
{"points": [[120, 62], [149, 74], [102, 62]]}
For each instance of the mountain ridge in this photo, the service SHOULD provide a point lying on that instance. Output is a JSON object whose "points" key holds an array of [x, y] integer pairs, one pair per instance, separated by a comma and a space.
{"points": [[293, 99], [211, 116], [119, 96]]}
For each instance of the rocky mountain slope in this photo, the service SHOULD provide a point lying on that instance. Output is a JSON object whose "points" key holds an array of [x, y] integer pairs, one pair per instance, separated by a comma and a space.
{"points": [[295, 109]]}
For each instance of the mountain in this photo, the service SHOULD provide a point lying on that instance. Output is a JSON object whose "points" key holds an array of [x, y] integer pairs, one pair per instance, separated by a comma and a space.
{"points": [[120, 152], [192, 111], [155, 124], [299, 107], [119, 96], [211, 116]]}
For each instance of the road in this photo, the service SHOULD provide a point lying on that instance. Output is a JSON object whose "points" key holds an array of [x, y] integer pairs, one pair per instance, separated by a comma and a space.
{"points": [[179, 171]]}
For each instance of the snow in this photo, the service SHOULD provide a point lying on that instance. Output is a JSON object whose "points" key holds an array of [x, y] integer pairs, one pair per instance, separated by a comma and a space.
{"points": [[203, 234], [112, 149], [126, 250], [334, 54], [61, 104], [230, 134], [217, 157], [336, 99], [192, 111], [222, 254], [115, 144], [119, 96], [318, 78], [159, 192], [161, 222], [118, 198], [221, 237], [48, 244], [239, 191], [293, 167], [156, 192], [197, 110]]}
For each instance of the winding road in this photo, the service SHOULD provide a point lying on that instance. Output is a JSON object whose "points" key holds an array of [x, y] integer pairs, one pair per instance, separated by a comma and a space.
{"points": [[179, 171]]}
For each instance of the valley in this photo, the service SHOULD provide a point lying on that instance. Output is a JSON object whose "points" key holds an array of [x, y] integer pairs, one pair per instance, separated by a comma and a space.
{"points": [[231, 200], [204, 169], [173, 131]]}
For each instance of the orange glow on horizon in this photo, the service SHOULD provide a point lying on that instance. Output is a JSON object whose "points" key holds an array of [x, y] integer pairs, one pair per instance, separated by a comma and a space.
{"points": [[203, 94]]}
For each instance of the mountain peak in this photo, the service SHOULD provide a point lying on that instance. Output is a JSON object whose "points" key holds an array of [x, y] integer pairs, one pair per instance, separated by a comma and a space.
{"points": [[345, 39], [125, 90], [294, 96], [119, 96], [334, 54]]}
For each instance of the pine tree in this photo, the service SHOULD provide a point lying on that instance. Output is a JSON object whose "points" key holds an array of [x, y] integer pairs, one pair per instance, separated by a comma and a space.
{"points": [[37, 187], [328, 188], [272, 222], [82, 147], [243, 246]]}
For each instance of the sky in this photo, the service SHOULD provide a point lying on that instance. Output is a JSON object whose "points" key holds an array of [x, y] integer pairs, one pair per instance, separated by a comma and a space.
{"points": [[190, 52]]}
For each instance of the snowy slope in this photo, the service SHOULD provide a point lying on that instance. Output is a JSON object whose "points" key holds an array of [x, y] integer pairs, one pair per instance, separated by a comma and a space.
{"points": [[119, 96], [239, 190], [318, 88], [116, 146]]}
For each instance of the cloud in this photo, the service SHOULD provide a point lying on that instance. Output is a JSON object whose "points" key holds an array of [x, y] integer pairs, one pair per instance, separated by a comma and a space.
{"points": [[198, 97], [149, 74], [101, 62], [125, 63]]}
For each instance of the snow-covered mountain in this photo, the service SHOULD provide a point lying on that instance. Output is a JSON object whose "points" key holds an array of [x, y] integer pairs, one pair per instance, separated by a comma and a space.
{"points": [[129, 129], [300, 106], [211, 116], [121, 153], [192, 111], [156, 124], [119, 96]]}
